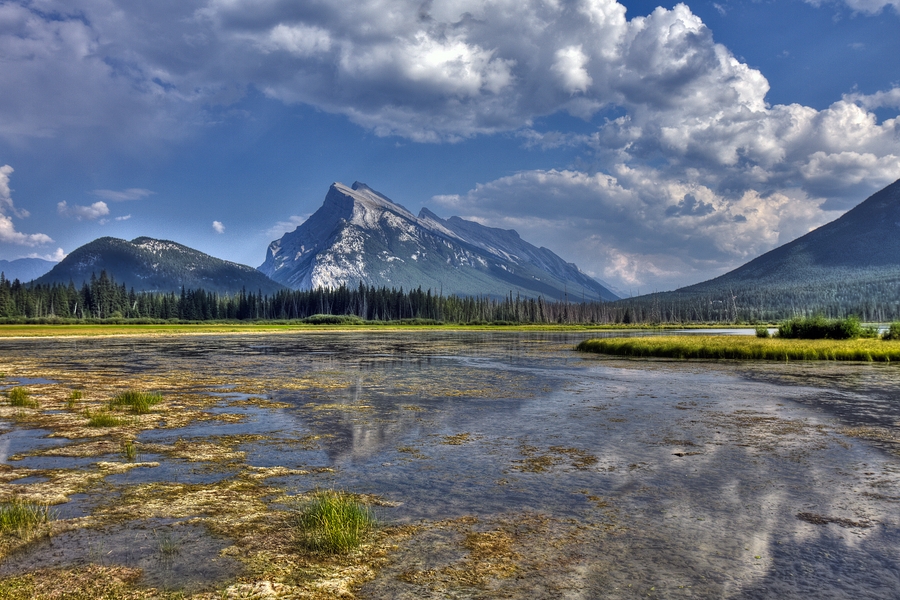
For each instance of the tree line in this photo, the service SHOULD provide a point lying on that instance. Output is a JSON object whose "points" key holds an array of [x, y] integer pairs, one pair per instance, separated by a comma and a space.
{"points": [[102, 298]]}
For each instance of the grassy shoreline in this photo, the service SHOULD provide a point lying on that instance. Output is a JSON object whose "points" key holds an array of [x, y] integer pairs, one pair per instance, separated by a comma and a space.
{"points": [[745, 348], [120, 329]]}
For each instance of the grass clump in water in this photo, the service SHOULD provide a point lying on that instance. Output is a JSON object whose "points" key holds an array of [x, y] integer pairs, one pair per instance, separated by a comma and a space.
{"points": [[73, 399], [139, 402], [333, 522], [21, 517], [19, 396], [763, 332], [102, 419], [129, 450]]}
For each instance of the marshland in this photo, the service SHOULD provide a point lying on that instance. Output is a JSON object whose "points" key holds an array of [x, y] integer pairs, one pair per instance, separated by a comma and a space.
{"points": [[440, 463]]}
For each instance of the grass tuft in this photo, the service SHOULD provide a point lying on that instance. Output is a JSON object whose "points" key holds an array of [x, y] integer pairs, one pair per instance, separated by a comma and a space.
{"points": [[139, 402], [744, 348], [333, 522], [102, 419], [129, 450], [21, 517], [19, 396], [73, 399], [763, 332]]}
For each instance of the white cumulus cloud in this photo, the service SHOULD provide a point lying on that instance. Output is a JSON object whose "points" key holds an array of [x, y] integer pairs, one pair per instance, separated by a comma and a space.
{"points": [[218, 227], [8, 232], [83, 213]]}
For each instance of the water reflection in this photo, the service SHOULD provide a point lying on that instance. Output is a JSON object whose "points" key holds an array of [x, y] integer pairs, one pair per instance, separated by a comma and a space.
{"points": [[635, 478]]}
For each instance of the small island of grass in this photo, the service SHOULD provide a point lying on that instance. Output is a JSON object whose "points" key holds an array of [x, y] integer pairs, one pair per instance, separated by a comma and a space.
{"points": [[838, 339]]}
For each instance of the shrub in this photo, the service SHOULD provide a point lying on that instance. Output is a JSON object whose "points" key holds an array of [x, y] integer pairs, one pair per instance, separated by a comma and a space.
{"points": [[333, 522], [762, 332], [333, 320], [139, 402], [818, 327], [19, 396], [893, 332]]}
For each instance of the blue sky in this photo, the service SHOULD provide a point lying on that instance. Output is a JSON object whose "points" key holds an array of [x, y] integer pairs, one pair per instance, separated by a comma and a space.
{"points": [[654, 146]]}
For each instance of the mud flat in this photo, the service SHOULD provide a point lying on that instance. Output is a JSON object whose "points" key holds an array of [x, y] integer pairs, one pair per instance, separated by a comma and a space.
{"points": [[499, 465]]}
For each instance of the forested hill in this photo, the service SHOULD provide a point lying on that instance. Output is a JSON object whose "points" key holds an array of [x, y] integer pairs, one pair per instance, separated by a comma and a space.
{"points": [[147, 264], [848, 266]]}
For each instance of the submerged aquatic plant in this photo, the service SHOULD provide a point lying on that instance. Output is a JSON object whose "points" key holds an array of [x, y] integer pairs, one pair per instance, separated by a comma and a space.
{"points": [[139, 402], [333, 522], [21, 397], [22, 517]]}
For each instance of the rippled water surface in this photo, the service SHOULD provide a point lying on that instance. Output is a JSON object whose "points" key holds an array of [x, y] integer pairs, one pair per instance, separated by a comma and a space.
{"points": [[585, 477]]}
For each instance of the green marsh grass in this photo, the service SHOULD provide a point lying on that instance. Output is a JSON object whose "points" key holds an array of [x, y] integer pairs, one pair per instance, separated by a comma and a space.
{"points": [[21, 517], [139, 402], [129, 450], [103, 419], [333, 522], [21, 397], [745, 348], [73, 399]]}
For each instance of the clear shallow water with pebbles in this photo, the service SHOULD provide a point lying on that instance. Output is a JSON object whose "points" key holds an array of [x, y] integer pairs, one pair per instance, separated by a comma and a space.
{"points": [[527, 469]]}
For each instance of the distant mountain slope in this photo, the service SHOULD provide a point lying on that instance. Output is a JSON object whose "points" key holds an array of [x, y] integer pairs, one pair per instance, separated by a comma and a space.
{"points": [[25, 269], [862, 244], [851, 265], [147, 264], [359, 235]]}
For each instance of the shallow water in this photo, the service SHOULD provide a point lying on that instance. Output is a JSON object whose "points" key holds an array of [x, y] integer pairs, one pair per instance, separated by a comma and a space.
{"points": [[610, 478]]}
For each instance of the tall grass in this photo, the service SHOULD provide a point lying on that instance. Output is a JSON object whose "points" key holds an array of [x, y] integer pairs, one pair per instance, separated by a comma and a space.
{"points": [[333, 522], [22, 517], [139, 402], [744, 347], [21, 397]]}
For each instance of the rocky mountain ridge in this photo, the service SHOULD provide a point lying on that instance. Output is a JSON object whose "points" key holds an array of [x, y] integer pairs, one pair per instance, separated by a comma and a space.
{"points": [[360, 236]]}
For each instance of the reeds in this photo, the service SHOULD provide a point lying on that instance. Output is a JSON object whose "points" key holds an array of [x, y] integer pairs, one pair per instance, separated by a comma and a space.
{"points": [[22, 517], [745, 348], [333, 522]]}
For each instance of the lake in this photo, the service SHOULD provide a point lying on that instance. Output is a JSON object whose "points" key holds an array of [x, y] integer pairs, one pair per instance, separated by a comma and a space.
{"points": [[502, 465]]}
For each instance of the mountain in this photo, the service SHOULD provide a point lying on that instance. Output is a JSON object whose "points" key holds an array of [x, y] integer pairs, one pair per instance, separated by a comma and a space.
{"points": [[25, 269], [147, 264], [359, 235], [848, 266]]}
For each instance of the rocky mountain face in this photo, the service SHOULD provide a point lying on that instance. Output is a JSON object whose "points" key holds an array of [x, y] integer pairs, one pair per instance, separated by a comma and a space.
{"points": [[147, 264], [361, 236], [25, 269]]}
